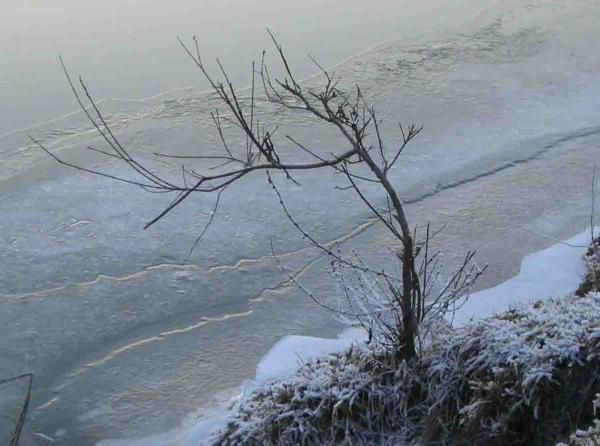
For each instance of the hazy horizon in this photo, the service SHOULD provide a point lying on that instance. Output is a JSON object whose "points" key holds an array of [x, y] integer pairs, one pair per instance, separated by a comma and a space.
{"points": [[128, 49]]}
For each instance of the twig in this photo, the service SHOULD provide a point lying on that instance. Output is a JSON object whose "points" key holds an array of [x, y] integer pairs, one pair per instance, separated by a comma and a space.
{"points": [[210, 220], [592, 214], [14, 441]]}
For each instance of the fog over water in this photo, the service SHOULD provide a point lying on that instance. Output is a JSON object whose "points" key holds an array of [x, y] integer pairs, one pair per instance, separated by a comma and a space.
{"points": [[126, 341], [128, 48]]}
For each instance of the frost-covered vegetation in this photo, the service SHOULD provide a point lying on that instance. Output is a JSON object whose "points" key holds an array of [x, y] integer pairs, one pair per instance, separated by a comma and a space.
{"points": [[589, 436], [528, 376], [592, 262]]}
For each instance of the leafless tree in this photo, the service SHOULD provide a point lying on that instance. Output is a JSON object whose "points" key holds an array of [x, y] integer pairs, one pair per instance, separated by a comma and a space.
{"points": [[363, 159]]}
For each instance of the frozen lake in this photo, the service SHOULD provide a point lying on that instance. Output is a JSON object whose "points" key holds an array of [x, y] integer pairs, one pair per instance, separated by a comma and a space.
{"points": [[125, 341]]}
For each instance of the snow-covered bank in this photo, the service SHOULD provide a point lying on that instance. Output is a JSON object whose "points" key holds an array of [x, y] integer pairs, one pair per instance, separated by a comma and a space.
{"points": [[552, 272], [528, 375]]}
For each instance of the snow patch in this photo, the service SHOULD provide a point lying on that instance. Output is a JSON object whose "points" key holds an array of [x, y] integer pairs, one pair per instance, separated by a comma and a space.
{"points": [[289, 353], [553, 272]]}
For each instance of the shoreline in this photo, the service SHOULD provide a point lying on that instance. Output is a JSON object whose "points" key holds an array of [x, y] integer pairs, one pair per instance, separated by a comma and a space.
{"points": [[552, 272]]}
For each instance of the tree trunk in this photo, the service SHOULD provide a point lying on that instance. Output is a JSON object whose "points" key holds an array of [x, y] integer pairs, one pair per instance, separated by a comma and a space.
{"points": [[409, 323]]}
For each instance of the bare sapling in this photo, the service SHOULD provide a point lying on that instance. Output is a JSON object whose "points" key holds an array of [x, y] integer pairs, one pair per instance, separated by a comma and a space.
{"points": [[362, 158]]}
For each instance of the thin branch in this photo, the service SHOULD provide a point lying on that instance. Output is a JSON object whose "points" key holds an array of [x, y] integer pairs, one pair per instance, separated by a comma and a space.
{"points": [[312, 240], [593, 211], [389, 224], [205, 229], [14, 441], [95, 172]]}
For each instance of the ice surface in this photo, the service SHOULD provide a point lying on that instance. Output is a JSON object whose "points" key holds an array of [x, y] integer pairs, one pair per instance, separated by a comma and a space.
{"points": [[190, 434], [284, 358]]}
